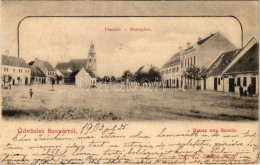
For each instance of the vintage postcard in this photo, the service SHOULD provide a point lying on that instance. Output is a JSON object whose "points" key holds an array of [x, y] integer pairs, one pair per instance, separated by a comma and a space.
{"points": [[129, 82]]}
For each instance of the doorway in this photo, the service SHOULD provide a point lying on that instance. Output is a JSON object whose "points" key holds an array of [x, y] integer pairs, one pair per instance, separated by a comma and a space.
{"points": [[253, 83], [215, 83], [231, 85]]}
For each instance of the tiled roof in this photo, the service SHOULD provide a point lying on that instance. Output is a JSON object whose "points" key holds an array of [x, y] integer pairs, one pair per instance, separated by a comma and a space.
{"points": [[62, 66], [36, 72], [77, 64], [14, 61], [65, 74], [249, 62], [46, 64], [175, 59], [74, 74], [222, 62], [90, 73]]}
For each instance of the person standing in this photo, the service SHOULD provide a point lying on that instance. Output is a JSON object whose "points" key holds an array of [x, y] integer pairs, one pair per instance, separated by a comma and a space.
{"points": [[249, 89], [241, 91], [245, 93], [31, 93]]}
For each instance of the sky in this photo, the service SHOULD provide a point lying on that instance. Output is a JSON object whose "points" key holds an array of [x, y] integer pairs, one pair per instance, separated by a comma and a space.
{"points": [[62, 39]]}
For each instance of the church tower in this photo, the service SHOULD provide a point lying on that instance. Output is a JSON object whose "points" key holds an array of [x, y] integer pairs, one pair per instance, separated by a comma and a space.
{"points": [[91, 61]]}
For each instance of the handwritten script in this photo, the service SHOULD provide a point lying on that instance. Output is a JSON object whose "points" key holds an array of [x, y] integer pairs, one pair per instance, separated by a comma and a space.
{"points": [[102, 143]]}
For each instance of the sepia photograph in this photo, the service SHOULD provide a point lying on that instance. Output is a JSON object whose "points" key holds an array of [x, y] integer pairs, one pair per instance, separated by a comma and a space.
{"points": [[129, 68], [140, 82]]}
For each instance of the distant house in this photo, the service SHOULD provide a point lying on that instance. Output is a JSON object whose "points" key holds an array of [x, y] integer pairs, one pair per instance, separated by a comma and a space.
{"points": [[37, 76], [64, 66], [244, 69], [46, 68], [15, 71], [67, 76], [75, 65], [84, 80], [200, 54], [215, 80]]}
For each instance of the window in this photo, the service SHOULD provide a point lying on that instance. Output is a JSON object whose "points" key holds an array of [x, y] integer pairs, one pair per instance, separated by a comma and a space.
{"points": [[188, 62], [7, 69], [181, 63], [185, 62], [177, 69], [238, 81], [191, 61], [170, 70], [89, 60], [244, 81], [194, 60], [218, 81], [21, 71], [14, 70]]}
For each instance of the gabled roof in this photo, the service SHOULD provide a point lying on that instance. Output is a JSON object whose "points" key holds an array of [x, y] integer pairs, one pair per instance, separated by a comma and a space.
{"points": [[73, 64], [62, 66], [175, 59], [14, 61], [200, 42], [65, 74], [220, 64], [46, 64], [36, 72], [247, 63], [58, 73], [89, 72], [77, 64]]}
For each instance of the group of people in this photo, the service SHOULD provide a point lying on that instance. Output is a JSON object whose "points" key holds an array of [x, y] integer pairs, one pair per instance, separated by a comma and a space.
{"points": [[249, 92]]}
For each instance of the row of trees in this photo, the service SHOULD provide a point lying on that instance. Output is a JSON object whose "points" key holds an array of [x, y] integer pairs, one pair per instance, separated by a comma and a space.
{"points": [[153, 75], [195, 73]]}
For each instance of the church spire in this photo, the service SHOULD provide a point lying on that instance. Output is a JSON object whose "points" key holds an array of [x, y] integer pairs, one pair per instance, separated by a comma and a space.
{"points": [[92, 49]]}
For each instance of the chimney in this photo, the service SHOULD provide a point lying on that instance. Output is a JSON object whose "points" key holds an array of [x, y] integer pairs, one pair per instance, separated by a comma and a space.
{"points": [[188, 45], [36, 59], [180, 48], [199, 38]]}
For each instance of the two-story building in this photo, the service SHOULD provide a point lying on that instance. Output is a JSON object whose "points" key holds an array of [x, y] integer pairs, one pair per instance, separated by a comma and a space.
{"points": [[46, 68], [200, 54], [15, 71]]}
